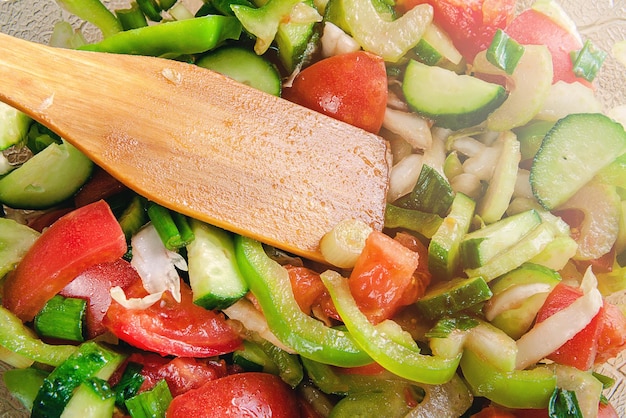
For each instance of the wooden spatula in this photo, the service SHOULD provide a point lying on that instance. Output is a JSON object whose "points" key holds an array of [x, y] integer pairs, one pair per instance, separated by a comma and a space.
{"points": [[202, 144]]}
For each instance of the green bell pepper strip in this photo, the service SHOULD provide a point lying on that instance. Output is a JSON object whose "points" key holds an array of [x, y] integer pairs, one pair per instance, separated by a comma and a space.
{"points": [[170, 39], [513, 389], [270, 284], [94, 12], [387, 344], [20, 339]]}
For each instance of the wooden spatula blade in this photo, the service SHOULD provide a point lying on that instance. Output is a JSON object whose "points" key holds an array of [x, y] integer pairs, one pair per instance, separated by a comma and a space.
{"points": [[202, 144]]}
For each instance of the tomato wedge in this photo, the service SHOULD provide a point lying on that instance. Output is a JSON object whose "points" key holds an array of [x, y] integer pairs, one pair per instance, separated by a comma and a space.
{"points": [[382, 280], [238, 395], [350, 87], [580, 351], [94, 285], [170, 328], [78, 240]]}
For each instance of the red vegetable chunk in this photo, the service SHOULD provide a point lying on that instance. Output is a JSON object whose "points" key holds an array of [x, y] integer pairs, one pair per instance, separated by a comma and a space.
{"points": [[238, 395], [170, 328], [350, 87], [80, 239]]}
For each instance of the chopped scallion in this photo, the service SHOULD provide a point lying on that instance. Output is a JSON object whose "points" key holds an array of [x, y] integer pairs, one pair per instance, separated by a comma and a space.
{"points": [[151, 403], [504, 52], [172, 227], [129, 383], [151, 9], [132, 17], [62, 318], [563, 403], [587, 61]]}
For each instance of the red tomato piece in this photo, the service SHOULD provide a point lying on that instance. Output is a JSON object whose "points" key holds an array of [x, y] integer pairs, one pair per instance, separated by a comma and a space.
{"points": [[580, 351], [47, 218], [492, 411], [382, 280], [534, 28], [606, 411], [470, 24], [238, 395], [181, 373], [307, 286], [87, 236], [170, 328], [612, 339], [94, 285], [350, 87]]}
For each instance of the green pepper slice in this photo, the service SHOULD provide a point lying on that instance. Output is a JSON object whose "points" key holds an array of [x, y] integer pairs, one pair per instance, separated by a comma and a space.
{"points": [[269, 282], [513, 389], [386, 344]]}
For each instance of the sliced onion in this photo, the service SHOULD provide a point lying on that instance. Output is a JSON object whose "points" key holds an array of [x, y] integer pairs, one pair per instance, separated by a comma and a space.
{"points": [[568, 98], [468, 146], [303, 13], [118, 295], [451, 399], [253, 320], [513, 297], [547, 336], [156, 264], [468, 184], [412, 127], [522, 184], [336, 42], [403, 176], [483, 164], [343, 244]]}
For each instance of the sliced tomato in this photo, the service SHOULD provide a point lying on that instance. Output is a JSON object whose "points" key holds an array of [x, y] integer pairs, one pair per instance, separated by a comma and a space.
{"points": [[238, 395], [82, 238], [607, 411], [170, 328], [580, 351], [94, 285], [382, 280], [493, 411], [612, 338], [470, 24], [181, 373], [350, 87], [534, 28], [307, 286]]}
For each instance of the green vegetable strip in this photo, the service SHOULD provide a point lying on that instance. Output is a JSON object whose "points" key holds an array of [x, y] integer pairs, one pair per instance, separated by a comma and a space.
{"points": [[95, 12], [131, 18], [166, 4], [171, 39], [424, 223], [289, 367], [270, 284], [15, 336], [173, 228], [563, 403], [151, 403], [62, 318], [504, 52], [587, 61], [151, 9], [129, 383], [24, 384], [386, 344]]}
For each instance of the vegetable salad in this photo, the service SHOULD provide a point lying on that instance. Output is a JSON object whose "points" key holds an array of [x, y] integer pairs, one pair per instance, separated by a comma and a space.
{"points": [[487, 292]]}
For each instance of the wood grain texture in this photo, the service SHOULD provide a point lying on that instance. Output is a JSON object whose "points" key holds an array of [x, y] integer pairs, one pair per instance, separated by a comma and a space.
{"points": [[202, 144]]}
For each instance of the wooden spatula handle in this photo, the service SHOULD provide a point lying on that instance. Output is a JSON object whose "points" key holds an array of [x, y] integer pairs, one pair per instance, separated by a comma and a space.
{"points": [[202, 144]]}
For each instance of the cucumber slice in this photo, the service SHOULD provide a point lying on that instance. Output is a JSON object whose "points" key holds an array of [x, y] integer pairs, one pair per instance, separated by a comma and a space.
{"points": [[214, 276], [13, 126], [244, 66], [572, 153], [92, 399], [90, 360], [448, 297], [453, 101], [15, 240], [432, 193], [525, 274], [443, 250], [480, 246], [295, 41], [524, 250], [50, 177], [436, 48], [498, 195]]}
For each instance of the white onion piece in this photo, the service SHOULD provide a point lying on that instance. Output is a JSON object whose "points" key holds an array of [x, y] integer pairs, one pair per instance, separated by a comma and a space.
{"points": [[513, 297], [303, 13], [483, 164], [522, 185], [435, 155], [568, 98], [545, 337], [118, 295], [403, 176], [468, 146], [410, 126], [336, 42], [468, 184], [451, 399], [244, 311], [156, 264]]}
